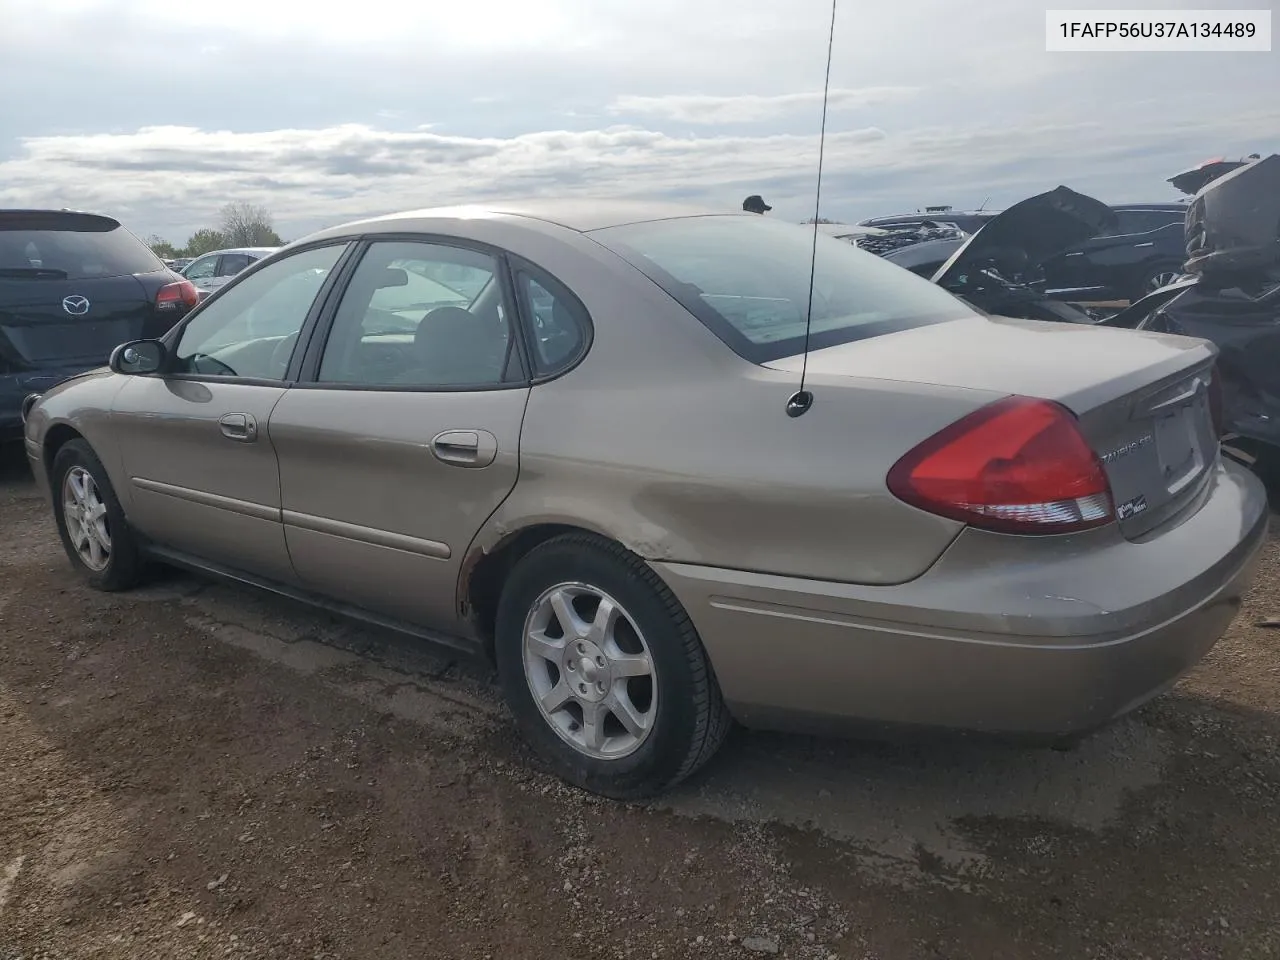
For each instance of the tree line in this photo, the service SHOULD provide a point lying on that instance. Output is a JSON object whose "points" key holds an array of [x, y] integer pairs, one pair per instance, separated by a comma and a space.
{"points": [[239, 225]]}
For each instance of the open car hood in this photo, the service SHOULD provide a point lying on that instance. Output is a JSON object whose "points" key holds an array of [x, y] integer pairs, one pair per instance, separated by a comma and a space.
{"points": [[1029, 233]]}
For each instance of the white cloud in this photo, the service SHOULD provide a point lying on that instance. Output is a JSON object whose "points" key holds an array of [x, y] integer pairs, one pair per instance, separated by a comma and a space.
{"points": [[173, 179], [384, 105], [748, 108]]}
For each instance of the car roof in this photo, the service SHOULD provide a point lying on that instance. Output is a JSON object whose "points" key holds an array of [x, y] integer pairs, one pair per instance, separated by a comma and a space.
{"points": [[583, 215]]}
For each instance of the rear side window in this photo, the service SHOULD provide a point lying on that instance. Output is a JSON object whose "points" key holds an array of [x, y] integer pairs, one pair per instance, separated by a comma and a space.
{"points": [[558, 321], [747, 279], [85, 249]]}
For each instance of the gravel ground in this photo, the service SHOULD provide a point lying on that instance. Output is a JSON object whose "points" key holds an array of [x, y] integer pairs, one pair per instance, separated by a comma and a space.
{"points": [[193, 770]]}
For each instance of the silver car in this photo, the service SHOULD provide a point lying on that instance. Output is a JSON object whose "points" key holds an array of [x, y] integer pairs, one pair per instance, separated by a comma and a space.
{"points": [[212, 270], [558, 434]]}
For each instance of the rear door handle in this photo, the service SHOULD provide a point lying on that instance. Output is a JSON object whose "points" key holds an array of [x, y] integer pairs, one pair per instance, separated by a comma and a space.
{"points": [[1149, 243], [239, 426], [465, 448]]}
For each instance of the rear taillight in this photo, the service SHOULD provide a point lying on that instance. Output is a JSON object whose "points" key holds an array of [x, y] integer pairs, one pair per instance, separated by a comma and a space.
{"points": [[1019, 465], [173, 294], [1215, 403]]}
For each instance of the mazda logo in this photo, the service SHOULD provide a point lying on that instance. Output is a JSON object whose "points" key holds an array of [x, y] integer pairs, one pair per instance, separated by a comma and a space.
{"points": [[77, 306]]}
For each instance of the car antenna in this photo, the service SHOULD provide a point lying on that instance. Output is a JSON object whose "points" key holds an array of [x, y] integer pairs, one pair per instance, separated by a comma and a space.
{"points": [[984, 203], [801, 401]]}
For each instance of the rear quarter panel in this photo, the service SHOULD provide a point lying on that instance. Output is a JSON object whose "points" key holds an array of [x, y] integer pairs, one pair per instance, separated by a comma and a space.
{"points": [[666, 441]]}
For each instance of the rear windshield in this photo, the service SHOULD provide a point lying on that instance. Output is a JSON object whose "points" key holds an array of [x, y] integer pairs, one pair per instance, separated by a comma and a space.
{"points": [[747, 279], [73, 254]]}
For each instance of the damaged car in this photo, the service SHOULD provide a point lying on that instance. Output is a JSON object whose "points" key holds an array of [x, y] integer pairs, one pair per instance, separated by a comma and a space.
{"points": [[1231, 297], [999, 269], [1131, 251]]}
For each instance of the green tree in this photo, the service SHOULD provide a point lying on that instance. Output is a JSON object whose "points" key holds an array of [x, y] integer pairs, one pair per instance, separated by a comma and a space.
{"points": [[203, 241], [161, 248]]}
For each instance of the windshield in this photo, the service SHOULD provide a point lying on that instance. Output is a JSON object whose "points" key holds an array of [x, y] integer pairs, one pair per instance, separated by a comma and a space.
{"points": [[74, 254], [747, 279]]}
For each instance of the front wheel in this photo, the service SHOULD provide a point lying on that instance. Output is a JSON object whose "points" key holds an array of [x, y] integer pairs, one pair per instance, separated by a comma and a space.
{"points": [[1155, 278], [90, 521], [604, 671]]}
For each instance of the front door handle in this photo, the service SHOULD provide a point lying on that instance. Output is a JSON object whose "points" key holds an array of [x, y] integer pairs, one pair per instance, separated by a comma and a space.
{"points": [[465, 448], [239, 426]]}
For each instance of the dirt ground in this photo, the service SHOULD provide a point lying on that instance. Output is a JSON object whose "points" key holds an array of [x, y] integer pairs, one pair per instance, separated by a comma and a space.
{"points": [[194, 770]]}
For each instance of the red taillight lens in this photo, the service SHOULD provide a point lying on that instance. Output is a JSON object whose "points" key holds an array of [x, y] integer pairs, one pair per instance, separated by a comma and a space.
{"points": [[1215, 403], [1019, 465], [172, 294]]}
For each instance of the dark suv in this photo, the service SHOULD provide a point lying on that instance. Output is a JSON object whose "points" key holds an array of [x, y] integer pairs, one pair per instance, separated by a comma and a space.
{"points": [[72, 287]]}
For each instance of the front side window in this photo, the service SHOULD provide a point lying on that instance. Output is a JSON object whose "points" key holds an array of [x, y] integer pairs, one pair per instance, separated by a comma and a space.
{"points": [[202, 268], [747, 280], [250, 330], [421, 315]]}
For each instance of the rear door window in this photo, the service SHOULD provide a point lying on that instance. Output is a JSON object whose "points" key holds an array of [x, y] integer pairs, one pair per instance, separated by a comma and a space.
{"points": [[233, 263]]}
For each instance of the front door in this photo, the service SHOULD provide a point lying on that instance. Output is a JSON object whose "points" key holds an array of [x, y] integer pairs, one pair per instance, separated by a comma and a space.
{"points": [[201, 469], [407, 438]]}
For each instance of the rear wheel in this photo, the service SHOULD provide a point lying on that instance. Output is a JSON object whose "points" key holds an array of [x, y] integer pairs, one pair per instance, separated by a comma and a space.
{"points": [[604, 671], [91, 523]]}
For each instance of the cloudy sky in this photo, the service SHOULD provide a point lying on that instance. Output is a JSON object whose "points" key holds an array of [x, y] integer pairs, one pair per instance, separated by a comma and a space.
{"points": [[159, 111]]}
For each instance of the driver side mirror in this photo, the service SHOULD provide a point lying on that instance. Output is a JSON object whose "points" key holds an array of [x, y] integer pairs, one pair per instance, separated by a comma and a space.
{"points": [[138, 357]]}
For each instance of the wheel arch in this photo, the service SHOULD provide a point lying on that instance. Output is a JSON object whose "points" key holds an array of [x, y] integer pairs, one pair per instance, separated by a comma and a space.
{"points": [[56, 437], [485, 570]]}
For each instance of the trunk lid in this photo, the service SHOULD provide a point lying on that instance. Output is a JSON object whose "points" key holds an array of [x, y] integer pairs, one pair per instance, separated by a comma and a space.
{"points": [[54, 322], [1141, 398]]}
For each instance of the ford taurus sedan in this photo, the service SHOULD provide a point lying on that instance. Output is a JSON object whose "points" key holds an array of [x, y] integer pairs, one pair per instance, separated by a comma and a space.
{"points": [[558, 433]]}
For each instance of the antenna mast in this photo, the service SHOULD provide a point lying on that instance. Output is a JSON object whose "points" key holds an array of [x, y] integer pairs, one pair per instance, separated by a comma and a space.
{"points": [[801, 401]]}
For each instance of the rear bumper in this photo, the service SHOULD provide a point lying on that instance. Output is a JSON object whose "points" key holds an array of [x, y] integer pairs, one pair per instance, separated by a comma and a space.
{"points": [[986, 640]]}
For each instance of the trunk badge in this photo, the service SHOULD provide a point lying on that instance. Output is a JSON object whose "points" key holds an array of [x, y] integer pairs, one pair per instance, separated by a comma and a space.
{"points": [[1127, 449], [76, 306]]}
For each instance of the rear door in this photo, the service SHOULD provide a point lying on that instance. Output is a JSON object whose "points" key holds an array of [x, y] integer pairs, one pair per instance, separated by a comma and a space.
{"points": [[195, 444], [407, 437]]}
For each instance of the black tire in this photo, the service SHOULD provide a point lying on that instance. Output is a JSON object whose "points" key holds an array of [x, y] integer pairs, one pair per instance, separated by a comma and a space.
{"points": [[123, 567], [690, 719]]}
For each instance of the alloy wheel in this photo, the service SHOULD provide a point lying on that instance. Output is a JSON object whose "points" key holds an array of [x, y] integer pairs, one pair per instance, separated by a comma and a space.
{"points": [[85, 516], [590, 671]]}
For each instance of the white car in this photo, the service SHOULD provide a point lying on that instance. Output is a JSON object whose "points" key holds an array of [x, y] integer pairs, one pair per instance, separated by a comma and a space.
{"points": [[210, 271]]}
